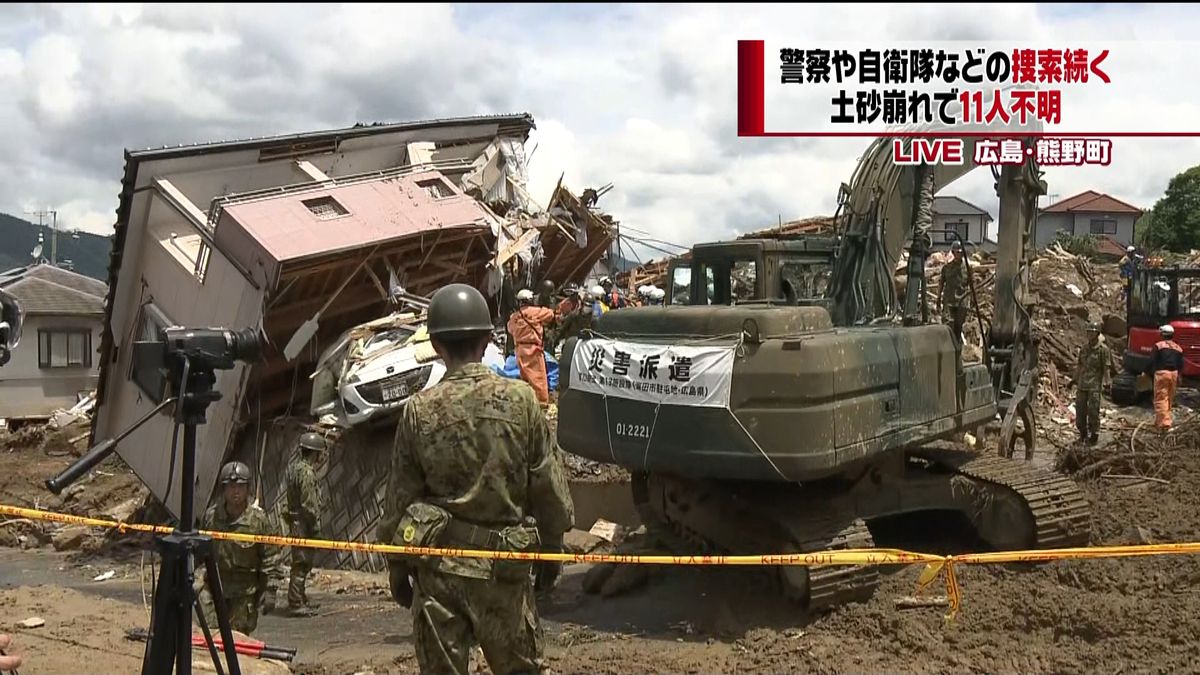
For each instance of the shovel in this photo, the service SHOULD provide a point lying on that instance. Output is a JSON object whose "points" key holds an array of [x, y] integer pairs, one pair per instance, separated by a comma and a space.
{"points": [[308, 329]]}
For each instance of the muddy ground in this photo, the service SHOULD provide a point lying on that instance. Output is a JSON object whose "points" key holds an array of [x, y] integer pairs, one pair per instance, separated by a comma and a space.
{"points": [[1119, 615], [1113, 615]]}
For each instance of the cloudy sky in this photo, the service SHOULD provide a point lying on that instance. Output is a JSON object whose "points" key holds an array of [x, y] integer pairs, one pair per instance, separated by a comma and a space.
{"points": [[639, 96]]}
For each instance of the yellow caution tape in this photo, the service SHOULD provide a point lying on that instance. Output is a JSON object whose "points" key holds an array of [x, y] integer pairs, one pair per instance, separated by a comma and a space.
{"points": [[937, 566]]}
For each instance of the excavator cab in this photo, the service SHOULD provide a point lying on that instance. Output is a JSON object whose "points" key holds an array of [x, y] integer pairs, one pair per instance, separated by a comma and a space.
{"points": [[1158, 296], [792, 272]]}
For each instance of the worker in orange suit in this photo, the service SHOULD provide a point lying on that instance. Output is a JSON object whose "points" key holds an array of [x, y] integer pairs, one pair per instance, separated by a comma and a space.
{"points": [[527, 326], [1165, 362]]}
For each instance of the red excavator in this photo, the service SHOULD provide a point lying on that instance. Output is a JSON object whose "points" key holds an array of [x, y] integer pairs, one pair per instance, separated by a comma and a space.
{"points": [[1159, 295]]}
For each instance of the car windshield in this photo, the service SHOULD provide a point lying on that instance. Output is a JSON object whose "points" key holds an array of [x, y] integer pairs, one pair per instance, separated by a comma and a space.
{"points": [[387, 338]]}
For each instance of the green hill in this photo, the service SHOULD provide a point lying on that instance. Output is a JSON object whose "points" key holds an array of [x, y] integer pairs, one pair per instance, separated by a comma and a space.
{"points": [[89, 252]]}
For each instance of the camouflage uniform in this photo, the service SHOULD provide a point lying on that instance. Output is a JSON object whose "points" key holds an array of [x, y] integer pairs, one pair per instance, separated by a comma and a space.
{"points": [[476, 445], [248, 571], [954, 296], [1094, 364], [575, 322], [304, 502]]}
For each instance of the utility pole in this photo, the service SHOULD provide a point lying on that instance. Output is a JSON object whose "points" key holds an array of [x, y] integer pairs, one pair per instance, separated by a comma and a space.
{"points": [[53, 230]]}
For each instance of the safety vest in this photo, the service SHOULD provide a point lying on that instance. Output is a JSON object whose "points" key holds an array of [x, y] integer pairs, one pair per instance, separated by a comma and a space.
{"points": [[1169, 344]]}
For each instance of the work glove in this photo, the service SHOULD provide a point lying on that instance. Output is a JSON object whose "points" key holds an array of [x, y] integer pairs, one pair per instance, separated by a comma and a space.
{"points": [[402, 591], [268, 601]]}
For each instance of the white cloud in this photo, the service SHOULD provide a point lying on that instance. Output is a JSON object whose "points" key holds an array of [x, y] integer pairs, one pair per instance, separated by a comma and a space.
{"points": [[639, 96]]}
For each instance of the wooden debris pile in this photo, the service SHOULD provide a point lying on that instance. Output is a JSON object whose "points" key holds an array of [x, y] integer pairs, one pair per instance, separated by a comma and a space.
{"points": [[1137, 451]]}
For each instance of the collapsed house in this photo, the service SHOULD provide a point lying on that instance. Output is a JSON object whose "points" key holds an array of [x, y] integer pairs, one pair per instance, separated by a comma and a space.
{"points": [[654, 272], [305, 237]]}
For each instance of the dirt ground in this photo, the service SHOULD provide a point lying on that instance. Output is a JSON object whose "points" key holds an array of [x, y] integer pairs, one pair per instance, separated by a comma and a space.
{"points": [[1115, 615], [1137, 614]]}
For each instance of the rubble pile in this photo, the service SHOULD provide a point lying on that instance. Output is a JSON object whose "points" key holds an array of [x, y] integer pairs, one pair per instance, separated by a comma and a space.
{"points": [[1135, 451], [654, 272]]}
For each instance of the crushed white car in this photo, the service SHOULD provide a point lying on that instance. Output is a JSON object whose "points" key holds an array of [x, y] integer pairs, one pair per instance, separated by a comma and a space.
{"points": [[372, 369]]}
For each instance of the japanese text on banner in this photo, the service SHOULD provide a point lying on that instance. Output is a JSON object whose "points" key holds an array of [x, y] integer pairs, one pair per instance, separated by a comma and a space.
{"points": [[668, 374]]}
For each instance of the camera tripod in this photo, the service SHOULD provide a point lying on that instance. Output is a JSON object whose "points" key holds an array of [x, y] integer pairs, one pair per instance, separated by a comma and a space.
{"points": [[184, 551]]}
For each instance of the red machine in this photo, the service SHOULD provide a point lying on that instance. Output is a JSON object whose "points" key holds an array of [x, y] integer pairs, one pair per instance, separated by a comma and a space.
{"points": [[1159, 295]]}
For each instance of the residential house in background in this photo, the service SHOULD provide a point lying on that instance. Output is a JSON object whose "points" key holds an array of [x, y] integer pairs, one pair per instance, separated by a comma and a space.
{"points": [[1087, 213], [955, 214], [56, 362]]}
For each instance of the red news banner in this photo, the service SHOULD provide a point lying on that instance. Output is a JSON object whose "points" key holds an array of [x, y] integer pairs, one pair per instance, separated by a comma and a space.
{"points": [[945, 102]]}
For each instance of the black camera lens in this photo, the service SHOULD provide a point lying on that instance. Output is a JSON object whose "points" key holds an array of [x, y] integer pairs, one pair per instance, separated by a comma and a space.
{"points": [[246, 345]]}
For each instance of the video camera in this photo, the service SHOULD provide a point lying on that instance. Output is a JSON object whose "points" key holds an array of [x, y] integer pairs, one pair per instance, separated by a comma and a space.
{"points": [[158, 364], [11, 317]]}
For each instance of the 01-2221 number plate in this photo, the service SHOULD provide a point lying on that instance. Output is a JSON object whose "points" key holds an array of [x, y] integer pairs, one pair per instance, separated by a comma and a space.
{"points": [[633, 430]]}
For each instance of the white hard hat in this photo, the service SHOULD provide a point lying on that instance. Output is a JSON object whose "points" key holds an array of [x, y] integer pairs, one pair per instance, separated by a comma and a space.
{"points": [[524, 294], [1167, 329], [597, 291], [1130, 249]]}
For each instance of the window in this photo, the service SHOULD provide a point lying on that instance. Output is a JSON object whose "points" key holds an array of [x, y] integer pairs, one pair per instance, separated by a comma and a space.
{"points": [[325, 208], [1189, 296], [803, 280], [65, 348], [681, 285], [1104, 226], [955, 231], [436, 188], [743, 281]]}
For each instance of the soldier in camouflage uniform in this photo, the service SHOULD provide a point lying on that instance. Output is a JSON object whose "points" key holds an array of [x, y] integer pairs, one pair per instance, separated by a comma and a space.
{"points": [[1091, 374], [250, 573], [474, 467], [304, 504], [953, 295]]}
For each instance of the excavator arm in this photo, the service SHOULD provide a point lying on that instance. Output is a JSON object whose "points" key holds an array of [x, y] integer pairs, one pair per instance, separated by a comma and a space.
{"points": [[887, 209]]}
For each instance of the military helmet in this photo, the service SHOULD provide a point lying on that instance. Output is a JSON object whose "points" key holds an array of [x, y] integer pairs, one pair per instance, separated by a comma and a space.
{"points": [[956, 246], [234, 472], [547, 286], [312, 441], [458, 310], [1093, 327]]}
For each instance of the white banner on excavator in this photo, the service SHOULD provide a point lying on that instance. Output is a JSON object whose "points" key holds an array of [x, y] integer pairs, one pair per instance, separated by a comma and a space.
{"points": [[688, 375]]}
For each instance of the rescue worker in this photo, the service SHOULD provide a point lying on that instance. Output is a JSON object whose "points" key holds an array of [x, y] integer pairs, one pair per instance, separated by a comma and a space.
{"points": [[545, 297], [612, 295], [1092, 374], [569, 301], [473, 467], [1166, 362], [600, 304], [527, 325], [1128, 265], [250, 573], [954, 292], [304, 504], [576, 320]]}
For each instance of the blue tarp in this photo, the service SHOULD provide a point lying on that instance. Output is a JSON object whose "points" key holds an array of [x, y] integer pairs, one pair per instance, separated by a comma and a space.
{"points": [[513, 372]]}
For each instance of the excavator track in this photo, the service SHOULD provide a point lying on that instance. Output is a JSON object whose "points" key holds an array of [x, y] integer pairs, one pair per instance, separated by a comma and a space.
{"points": [[1061, 513], [705, 516], [828, 586]]}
